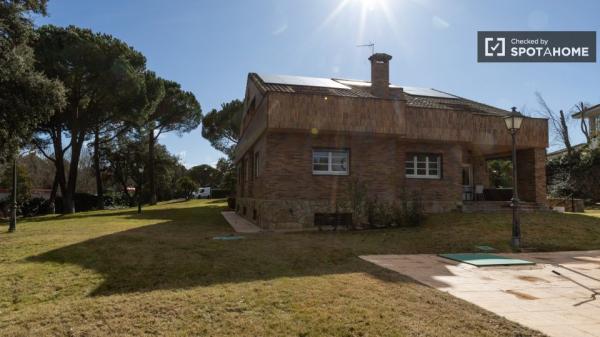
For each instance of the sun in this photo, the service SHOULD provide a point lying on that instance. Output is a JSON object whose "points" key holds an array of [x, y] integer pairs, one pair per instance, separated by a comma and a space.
{"points": [[371, 4]]}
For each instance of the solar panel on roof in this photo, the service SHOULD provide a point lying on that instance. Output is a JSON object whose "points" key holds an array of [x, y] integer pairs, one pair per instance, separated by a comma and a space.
{"points": [[355, 83], [409, 90], [426, 92], [302, 80]]}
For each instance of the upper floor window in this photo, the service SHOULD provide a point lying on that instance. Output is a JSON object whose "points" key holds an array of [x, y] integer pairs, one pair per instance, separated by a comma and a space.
{"points": [[597, 119], [330, 162], [421, 165]]}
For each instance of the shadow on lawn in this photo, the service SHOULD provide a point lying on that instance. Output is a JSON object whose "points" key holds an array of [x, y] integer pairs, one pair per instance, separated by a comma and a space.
{"points": [[180, 253], [176, 249]]}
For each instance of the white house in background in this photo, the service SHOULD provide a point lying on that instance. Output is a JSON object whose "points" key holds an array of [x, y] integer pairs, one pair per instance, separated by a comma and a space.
{"points": [[592, 114], [35, 193]]}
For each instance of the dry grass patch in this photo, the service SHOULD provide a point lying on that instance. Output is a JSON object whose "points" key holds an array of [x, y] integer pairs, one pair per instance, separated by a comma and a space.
{"points": [[118, 273]]}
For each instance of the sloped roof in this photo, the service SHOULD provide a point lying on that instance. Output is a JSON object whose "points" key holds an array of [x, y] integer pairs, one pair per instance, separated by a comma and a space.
{"points": [[592, 109], [415, 97]]}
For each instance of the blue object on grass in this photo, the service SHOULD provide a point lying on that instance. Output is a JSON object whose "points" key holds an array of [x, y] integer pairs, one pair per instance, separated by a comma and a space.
{"points": [[228, 238]]}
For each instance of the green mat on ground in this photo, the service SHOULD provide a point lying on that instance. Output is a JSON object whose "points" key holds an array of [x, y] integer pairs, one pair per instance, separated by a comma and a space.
{"points": [[483, 260]]}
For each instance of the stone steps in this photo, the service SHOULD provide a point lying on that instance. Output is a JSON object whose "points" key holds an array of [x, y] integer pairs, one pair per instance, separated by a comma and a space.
{"points": [[500, 207]]}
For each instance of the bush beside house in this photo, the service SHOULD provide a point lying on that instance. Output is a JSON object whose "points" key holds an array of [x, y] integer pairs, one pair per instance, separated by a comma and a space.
{"points": [[576, 175]]}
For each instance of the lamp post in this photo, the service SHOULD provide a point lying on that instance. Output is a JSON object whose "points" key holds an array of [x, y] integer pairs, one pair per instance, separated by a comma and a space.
{"points": [[513, 124], [141, 176], [12, 226]]}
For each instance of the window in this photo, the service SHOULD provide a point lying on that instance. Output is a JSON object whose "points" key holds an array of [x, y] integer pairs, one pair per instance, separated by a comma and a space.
{"points": [[330, 162], [597, 118], [419, 165], [256, 164]]}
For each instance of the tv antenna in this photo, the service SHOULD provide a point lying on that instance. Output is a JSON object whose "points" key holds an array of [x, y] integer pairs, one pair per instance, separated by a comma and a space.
{"points": [[371, 44]]}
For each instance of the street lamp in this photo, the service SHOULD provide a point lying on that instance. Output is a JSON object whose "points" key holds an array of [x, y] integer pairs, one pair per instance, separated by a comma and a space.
{"points": [[513, 124], [12, 226], [141, 177]]}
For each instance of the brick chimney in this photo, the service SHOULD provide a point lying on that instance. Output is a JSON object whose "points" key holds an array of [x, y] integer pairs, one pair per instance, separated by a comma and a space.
{"points": [[380, 74]]}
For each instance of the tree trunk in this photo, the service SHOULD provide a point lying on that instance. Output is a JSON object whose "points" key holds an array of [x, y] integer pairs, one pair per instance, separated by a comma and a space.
{"points": [[59, 162], [584, 128], [68, 198], [565, 133], [151, 182], [52, 200], [99, 187]]}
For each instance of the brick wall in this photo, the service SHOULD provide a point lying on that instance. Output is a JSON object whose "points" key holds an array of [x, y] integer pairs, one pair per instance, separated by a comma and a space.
{"points": [[373, 159], [438, 195], [286, 194], [531, 175]]}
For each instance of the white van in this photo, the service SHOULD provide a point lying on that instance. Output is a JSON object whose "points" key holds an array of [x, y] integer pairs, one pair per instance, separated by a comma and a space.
{"points": [[203, 192]]}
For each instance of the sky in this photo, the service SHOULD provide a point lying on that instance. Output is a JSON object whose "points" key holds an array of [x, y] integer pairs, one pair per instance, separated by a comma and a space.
{"points": [[211, 46]]}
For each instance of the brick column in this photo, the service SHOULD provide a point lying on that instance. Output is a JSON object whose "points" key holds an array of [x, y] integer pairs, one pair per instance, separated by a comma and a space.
{"points": [[481, 176], [531, 175]]}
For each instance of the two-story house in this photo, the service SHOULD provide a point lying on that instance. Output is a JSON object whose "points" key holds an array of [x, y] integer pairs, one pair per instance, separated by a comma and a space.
{"points": [[303, 140]]}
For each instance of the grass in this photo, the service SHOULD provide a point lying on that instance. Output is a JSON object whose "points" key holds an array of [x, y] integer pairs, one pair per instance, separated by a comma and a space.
{"points": [[160, 273], [593, 212]]}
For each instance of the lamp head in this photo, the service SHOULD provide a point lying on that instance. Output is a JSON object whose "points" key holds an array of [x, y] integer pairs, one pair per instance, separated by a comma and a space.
{"points": [[513, 121]]}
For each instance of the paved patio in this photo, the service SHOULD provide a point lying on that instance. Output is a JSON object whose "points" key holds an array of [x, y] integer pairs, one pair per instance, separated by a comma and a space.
{"points": [[530, 295]]}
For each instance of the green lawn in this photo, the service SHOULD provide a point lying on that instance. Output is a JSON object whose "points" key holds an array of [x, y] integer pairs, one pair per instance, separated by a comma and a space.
{"points": [[118, 273]]}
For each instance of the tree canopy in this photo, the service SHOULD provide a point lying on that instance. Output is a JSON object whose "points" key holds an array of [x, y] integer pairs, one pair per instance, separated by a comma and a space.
{"points": [[105, 81], [222, 127], [27, 97], [170, 109], [205, 175]]}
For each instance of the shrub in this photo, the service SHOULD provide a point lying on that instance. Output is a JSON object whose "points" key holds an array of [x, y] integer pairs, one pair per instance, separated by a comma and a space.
{"points": [[359, 204], [219, 193], [575, 175], [36, 206], [414, 213], [83, 202], [405, 213], [186, 187], [380, 214]]}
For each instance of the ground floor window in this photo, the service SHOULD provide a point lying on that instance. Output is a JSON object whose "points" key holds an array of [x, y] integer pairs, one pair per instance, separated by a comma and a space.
{"points": [[256, 164], [421, 165], [330, 162]]}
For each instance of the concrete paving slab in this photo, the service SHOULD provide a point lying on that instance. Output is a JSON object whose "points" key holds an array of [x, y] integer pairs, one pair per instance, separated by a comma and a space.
{"points": [[530, 295], [239, 224]]}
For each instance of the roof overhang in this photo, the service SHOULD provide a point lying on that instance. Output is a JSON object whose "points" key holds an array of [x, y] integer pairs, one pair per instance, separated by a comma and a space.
{"points": [[591, 110]]}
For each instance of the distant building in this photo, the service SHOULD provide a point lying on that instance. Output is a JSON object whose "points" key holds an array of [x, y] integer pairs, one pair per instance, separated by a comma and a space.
{"points": [[592, 114], [35, 193], [562, 152]]}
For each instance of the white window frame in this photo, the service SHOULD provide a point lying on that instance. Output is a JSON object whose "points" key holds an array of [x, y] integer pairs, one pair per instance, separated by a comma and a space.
{"points": [[412, 159], [330, 170]]}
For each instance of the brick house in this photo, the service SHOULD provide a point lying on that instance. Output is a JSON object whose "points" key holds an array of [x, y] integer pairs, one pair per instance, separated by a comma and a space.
{"points": [[303, 141]]}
